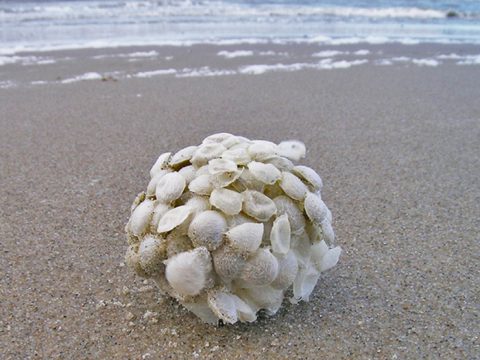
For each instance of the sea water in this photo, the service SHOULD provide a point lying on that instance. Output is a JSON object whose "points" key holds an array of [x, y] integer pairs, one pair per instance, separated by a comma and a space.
{"points": [[49, 24]]}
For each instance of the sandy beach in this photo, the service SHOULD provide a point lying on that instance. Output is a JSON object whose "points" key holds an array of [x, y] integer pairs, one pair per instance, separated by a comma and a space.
{"points": [[398, 150]]}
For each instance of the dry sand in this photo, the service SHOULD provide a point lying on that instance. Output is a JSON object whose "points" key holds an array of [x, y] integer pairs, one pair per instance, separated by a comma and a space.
{"points": [[398, 149]]}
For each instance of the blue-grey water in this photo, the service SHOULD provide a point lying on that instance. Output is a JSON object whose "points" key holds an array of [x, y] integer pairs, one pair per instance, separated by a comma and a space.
{"points": [[41, 25]]}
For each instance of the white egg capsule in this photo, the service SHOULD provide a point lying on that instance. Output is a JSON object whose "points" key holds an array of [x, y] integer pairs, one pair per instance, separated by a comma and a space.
{"points": [[220, 166], [206, 152], [207, 229], [174, 218], [227, 262], [182, 157], [140, 218], [152, 185], [281, 163], [247, 181], [260, 270], [265, 297], [217, 138], [159, 210], [280, 235], [238, 155], [190, 272], [201, 185], [138, 200], [324, 258], [132, 259], [188, 172], [199, 306], [287, 271], [223, 305], [309, 175], [328, 233], [304, 283], [246, 237], [262, 150], [265, 173], [198, 204], [152, 252], [293, 186], [258, 206], [315, 208], [227, 201], [170, 187], [225, 178], [160, 164], [285, 205], [294, 150]]}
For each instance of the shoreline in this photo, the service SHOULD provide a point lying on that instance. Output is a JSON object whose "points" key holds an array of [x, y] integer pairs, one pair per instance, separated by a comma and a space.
{"points": [[124, 63]]}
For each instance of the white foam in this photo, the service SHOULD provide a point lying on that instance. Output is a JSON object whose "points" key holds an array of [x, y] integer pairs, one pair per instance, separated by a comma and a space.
{"points": [[7, 84], [328, 53], [400, 59], [86, 76], [325, 64], [234, 54], [470, 60], [148, 74], [383, 62], [361, 52], [204, 72], [25, 60], [138, 54], [426, 62], [39, 82], [449, 56]]}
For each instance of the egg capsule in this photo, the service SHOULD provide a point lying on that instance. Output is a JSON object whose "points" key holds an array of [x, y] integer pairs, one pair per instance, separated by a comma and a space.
{"points": [[207, 229], [304, 283], [152, 252], [206, 152], [246, 237], [265, 173], [227, 201], [188, 172], [238, 155], [132, 259], [140, 218], [174, 218], [260, 270], [152, 185], [287, 271], [201, 185], [189, 272], [182, 157], [309, 176], [285, 205], [293, 186], [160, 164], [261, 150], [227, 262], [315, 208], [170, 187], [280, 235], [293, 150], [258, 206]]}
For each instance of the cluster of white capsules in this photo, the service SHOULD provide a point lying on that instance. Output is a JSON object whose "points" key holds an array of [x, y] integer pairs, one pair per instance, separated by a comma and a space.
{"points": [[228, 226]]}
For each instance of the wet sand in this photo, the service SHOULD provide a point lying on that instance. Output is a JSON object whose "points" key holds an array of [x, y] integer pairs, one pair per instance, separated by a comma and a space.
{"points": [[397, 147]]}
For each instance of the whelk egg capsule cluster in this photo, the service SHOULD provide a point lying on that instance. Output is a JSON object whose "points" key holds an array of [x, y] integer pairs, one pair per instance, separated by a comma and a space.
{"points": [[229, 226]]}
